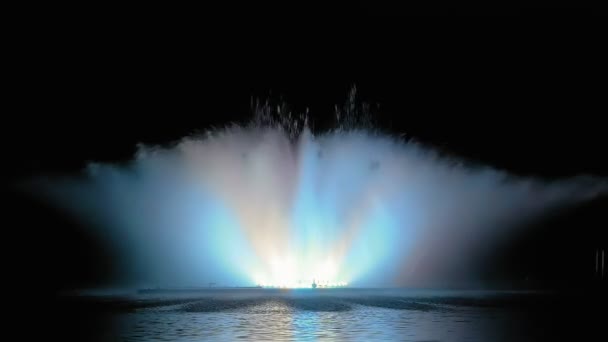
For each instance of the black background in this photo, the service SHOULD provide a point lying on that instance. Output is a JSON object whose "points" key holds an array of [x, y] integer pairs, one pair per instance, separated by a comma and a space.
{"points": [[87, 83], [90, 86]]}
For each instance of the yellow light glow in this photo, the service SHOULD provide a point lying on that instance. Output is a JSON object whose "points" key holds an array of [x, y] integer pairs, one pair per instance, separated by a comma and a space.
{"points": [[288, 284], [290, 270]]}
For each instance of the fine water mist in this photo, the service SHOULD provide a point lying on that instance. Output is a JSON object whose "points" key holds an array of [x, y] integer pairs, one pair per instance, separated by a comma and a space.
{"points": [[276, 203]]}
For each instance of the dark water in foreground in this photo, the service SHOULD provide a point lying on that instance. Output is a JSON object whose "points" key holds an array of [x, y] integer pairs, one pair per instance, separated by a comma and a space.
{"points": [[332, 314]]}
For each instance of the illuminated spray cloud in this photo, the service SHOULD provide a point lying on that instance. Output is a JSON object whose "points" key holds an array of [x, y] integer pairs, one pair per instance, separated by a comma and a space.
{"points": [[273, 204]]}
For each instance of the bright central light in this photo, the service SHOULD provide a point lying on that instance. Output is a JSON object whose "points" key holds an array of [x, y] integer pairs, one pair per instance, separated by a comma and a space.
{"points": [[303, 284], [286, 273]]}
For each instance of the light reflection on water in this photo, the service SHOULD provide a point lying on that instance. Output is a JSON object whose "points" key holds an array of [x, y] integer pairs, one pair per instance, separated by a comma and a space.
{"points": [[280, 316]]}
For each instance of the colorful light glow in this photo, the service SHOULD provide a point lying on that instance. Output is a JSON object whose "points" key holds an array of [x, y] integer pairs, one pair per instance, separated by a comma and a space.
{"points": [[256, 206]]}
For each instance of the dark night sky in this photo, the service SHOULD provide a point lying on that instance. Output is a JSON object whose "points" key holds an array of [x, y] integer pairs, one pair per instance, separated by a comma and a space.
{"points": [[532, 107], [530, 113]]}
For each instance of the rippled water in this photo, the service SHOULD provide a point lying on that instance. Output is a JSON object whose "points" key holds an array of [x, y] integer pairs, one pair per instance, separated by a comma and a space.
{"points": [[336, 314]]}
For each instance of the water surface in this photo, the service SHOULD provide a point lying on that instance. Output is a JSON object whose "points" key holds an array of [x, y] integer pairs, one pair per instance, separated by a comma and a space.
{"points": [[334, 314]]}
